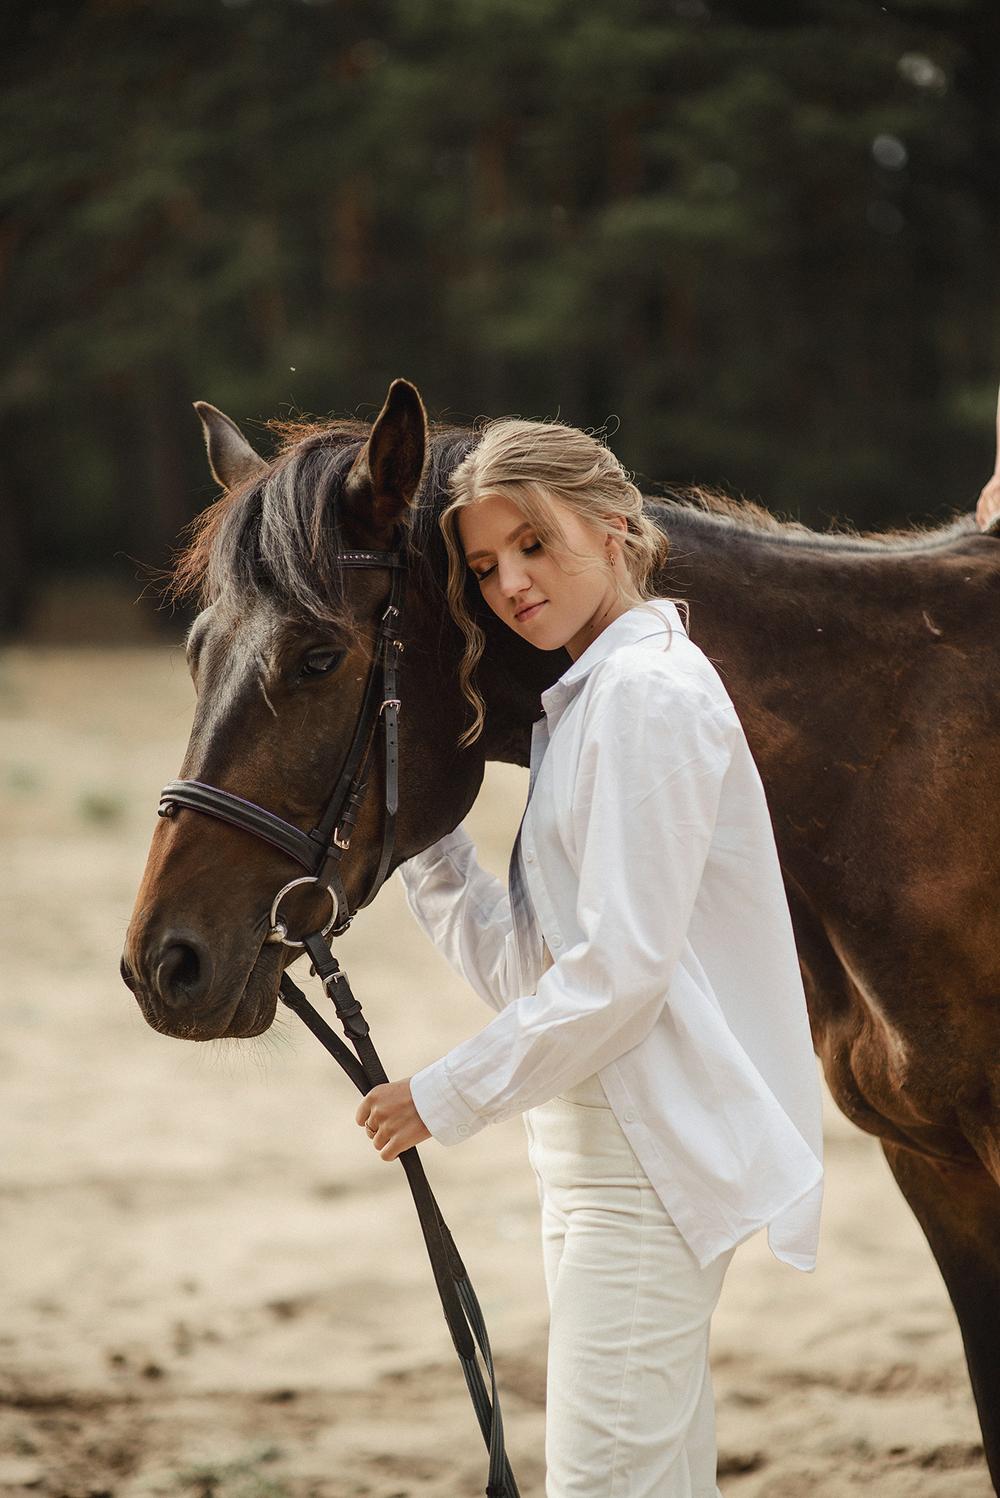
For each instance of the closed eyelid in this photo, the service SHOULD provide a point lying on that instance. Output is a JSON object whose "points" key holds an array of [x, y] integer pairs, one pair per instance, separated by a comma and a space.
{"points": [[525, 551]]}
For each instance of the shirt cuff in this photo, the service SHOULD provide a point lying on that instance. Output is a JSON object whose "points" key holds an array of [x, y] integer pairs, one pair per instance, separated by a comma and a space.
{"points": [[442, 1108], [430, 856]]}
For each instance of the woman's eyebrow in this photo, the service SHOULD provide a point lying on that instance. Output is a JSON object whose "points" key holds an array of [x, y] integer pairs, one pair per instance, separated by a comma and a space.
{"points": [[524, 526]]}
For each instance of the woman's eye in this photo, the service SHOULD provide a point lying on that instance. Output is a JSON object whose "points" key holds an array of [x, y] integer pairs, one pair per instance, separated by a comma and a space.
{"points": [[525, 551], [322, 661]]}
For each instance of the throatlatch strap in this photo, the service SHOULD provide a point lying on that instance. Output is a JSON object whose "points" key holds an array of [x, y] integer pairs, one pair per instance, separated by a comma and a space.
{"points": [[393, 645]]}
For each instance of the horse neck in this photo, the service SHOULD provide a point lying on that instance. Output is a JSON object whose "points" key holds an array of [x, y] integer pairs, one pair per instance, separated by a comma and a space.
{"points": [[766, 592], [816, 636], [760, 601], [511, 678]]}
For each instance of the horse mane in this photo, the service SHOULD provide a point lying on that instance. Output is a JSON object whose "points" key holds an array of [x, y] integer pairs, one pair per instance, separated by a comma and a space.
{"points": [[747, 517], [277, 535]]}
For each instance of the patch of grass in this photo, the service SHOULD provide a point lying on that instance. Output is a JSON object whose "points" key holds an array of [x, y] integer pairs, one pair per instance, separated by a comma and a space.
{"points": [[11, 695], [236, 1479], [23, 780], [101, 808]]}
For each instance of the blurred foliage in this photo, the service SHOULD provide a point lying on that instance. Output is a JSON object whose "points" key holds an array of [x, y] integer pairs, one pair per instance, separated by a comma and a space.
{"points": [[764, 235], [102, 808]]}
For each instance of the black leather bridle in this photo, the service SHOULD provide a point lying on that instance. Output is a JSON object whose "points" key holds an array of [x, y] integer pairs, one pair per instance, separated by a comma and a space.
{"points": [[320, 852]]}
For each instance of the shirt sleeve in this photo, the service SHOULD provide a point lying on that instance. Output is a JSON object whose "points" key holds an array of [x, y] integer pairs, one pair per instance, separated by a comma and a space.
{"points": [[466, 913], [644, 806]]}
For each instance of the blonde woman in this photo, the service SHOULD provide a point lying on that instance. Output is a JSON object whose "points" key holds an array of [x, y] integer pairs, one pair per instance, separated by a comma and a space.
{"points": [[651, 1024]]}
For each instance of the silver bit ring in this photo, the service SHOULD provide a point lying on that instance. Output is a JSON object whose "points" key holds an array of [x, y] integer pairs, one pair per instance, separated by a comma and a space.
{"points": [[278, 934]]}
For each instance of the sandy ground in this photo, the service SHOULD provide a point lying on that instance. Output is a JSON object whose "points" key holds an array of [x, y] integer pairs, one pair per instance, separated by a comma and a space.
{"points": [[212, 1286]]}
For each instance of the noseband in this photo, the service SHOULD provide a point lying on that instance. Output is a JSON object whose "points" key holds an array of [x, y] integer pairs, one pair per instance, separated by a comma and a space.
{"points": [[320, 851]]}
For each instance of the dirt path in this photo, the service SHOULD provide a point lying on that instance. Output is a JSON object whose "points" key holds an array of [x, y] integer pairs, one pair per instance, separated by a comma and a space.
{"points": [[213, 1287]]}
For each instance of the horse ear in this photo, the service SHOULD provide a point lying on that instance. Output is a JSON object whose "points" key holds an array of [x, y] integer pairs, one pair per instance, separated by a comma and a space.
{"points": [[386, 474], [230, 456]]}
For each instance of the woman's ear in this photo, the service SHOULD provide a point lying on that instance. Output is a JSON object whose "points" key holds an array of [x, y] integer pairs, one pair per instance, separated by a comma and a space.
{"points": [[620, 524], [613, 549]]}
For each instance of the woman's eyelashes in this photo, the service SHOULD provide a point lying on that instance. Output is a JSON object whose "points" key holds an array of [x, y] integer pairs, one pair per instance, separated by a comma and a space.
{"points": [[526, 551]]}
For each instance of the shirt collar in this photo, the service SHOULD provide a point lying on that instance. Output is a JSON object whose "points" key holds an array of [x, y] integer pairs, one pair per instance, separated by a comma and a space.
{"points": [[637, 623]]}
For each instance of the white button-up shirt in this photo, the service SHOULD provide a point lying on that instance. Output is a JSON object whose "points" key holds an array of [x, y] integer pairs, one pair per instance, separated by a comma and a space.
{"points": [[646, 862]]}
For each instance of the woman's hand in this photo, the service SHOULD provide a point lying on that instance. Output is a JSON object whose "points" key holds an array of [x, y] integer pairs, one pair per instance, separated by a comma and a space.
{"points": [[988, 507], [390, 1118]]}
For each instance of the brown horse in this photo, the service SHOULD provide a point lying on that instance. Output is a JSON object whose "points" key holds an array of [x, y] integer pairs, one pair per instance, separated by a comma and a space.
{"points": [[861, 666]]}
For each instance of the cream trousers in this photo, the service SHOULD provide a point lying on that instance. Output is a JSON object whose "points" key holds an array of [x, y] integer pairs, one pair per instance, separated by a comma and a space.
{"points": [[630, 1410]]}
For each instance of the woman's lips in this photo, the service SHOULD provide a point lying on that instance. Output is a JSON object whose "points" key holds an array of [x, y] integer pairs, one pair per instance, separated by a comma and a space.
{"points": [[529, 613]]}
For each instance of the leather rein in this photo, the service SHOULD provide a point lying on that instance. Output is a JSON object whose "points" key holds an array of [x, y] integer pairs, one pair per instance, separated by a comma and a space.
{"points": [[320, 852]]}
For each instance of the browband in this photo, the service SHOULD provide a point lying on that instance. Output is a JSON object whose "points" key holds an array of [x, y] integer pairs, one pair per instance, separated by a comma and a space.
{"points": [[371, 558]]}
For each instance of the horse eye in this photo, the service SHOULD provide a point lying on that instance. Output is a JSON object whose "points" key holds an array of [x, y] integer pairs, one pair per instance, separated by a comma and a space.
{"points": [[320, 662]]}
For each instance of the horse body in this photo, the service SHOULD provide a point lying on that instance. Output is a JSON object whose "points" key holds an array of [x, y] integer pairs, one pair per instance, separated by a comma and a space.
{"points": [[856, 665], [861, 671], [857, 671]]}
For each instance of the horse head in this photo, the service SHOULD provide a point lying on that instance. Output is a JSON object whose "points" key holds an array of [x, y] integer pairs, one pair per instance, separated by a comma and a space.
{"points": [[282, 656]]}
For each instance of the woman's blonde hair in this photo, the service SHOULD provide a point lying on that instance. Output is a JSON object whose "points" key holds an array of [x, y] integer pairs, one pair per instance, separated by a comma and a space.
{"points": [[532, 463]]}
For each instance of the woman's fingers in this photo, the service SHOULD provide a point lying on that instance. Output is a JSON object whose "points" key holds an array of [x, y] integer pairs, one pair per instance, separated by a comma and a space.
{"points": [[378, 1130], [391, 1121], [366, 1113], [988, 506]]}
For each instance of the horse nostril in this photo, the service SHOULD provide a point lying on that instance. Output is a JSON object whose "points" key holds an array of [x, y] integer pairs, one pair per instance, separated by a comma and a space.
{"points": [[182, 973]]}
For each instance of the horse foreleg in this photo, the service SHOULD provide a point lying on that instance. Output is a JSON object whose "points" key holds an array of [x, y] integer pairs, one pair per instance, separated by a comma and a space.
{"points": [[958, 1207]]}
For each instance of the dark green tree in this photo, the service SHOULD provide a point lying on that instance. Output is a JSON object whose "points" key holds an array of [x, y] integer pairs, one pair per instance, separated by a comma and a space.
{"points": [[764, 236]]}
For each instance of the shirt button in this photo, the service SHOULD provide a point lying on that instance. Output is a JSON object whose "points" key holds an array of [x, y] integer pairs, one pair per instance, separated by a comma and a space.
{"points": [[529, 856], [463, 1128], [629, 1116], [557, 941]]}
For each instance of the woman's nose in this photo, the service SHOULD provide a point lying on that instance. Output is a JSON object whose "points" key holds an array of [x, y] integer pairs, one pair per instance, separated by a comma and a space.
{"points": [[512, 576]]}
